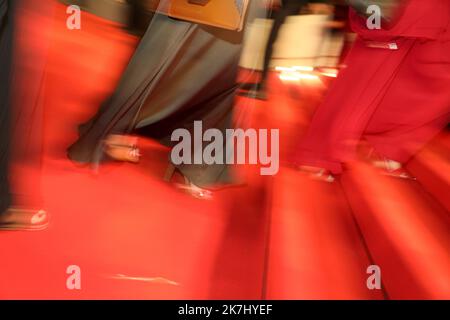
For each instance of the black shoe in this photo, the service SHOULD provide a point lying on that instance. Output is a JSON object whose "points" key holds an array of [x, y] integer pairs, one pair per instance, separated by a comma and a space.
{"points": [[257, 94], [254, 90], [250, 86]]}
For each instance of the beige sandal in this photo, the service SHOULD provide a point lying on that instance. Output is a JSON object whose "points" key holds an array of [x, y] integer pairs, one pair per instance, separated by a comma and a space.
{"points": [[317, 173], [188, 187], [24, 219], [122, 148]]}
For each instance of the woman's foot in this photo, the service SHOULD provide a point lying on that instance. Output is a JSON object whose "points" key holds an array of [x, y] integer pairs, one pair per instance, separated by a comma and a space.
{"points": [[195, 191], [392, 168], [388, 166], [188, 187], [15, 219], [317, 173], [122, 148]]}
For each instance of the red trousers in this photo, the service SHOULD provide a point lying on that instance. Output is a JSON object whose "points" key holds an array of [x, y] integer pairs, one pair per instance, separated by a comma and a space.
{"points": [[397, 100]]}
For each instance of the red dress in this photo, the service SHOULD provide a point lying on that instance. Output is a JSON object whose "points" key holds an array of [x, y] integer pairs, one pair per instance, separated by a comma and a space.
{"points": [[397, 99]]}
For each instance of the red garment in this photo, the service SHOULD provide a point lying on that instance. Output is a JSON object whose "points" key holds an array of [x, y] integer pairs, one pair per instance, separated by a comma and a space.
{"points": [[396, 99], [417, 19]]}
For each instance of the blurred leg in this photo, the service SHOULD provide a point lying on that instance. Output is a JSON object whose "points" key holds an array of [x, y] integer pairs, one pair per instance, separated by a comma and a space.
{"points": [[288, 9], [30, 56], [341, 120], [21, 115], [417, 104], [5, 63]]}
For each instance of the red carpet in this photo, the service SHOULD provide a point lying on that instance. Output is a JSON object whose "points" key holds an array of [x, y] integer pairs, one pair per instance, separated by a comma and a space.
{"points": [[285, 237]]}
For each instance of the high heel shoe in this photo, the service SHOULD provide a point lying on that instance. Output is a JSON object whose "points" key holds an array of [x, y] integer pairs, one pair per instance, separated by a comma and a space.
{"points": [[122, 148], [393, 169], [389, 167], [188, 187], [24, 219], [317, 173]]}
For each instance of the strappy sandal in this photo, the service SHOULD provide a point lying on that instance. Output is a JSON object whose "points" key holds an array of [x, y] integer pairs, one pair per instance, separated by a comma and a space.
{"points": [[389, 167], [24, 219], [188, 187], [195, 191], [386, 169], [317, 173], [122, 148]]}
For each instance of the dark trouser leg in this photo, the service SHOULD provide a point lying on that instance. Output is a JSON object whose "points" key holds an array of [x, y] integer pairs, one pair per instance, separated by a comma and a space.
{"points": [[290, 8], [27, 107], [5, 196], [5, 64]]}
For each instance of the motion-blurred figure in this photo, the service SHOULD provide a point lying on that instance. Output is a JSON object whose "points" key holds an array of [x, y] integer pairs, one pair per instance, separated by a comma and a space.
{"points": [[285, 9], [16, 213], [181, 72], [140, 16], [5, 64], [394, 93]]}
